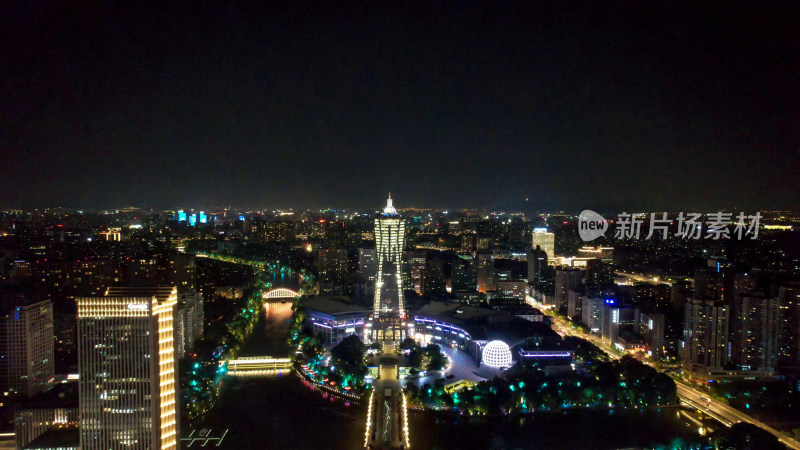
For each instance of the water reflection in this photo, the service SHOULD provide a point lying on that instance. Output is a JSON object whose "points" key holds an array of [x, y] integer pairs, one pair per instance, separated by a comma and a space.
{"points": [[284, 412]]}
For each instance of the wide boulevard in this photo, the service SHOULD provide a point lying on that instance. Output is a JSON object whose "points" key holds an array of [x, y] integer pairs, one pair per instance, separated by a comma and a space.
{"points": [[687, 394]]}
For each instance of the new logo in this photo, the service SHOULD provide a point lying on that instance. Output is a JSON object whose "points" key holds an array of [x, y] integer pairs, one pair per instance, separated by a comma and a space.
{"points": [[591, 225]]}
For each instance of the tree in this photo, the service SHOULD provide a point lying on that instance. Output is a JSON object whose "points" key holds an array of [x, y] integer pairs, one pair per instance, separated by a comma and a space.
{"points": [[409, 344], [436, 359], [348, 356], [745, 436], [414, 358]]}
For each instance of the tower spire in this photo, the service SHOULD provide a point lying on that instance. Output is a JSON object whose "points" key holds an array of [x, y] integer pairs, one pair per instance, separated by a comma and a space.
{"points": [[389, 210]]}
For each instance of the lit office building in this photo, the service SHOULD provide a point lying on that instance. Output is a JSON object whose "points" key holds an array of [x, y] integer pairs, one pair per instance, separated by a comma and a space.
{"points": [[511, 289], [416, 260], [26, 347], [389, 309], [544, 240], [126, 363], [367, 264]]}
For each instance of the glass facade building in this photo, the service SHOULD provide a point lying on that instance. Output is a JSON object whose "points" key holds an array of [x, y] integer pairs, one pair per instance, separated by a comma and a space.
{"points": [[126, 362]]}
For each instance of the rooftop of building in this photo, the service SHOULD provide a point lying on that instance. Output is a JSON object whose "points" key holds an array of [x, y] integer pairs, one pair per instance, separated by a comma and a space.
{"points": [[13, 296], [62, 395], [333, 305], [161, 293], [61, 438], [484, 323]]}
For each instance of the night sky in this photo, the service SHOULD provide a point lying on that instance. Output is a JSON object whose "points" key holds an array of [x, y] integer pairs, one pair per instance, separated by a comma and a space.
{"points": [[612, 106]]}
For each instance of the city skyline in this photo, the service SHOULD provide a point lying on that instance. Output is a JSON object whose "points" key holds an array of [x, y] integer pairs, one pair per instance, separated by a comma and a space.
{"points": [[392, 225], [173, 330]]}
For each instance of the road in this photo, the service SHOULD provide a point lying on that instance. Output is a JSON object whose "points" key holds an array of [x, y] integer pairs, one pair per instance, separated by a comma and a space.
{"points": [[724, 413], [727, 414], [640, 277]]}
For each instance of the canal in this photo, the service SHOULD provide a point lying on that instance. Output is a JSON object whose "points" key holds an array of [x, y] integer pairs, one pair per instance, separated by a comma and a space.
{"points": [[284, 413], [280, 412]]}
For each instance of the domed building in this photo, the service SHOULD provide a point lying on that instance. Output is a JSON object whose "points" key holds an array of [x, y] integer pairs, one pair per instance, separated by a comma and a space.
{"points": [[497, 354]]}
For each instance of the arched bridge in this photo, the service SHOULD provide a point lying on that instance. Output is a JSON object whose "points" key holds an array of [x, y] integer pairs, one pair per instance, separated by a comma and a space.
{"points": [[280, 294]]}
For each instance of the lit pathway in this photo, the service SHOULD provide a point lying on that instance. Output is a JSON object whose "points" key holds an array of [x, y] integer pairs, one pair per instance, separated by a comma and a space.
{"points": [[387, 415]]}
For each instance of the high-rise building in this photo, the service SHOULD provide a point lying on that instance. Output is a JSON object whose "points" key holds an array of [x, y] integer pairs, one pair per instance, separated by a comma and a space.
{"points": [[468, 242], [484, 263], [511, 289], [332, 268], [599, 273], [367, 264], [536, 260], [574, 303], [126, 363], [182, 272], [567, 279], [462, 276], [433, 279], [789, 351], [651, 327], [679, 292], [26, 346], [389, 308], [705, 334], [756, 329], [616, 317], [416, 260], [544, 240], [189, 317], [592, 313]]}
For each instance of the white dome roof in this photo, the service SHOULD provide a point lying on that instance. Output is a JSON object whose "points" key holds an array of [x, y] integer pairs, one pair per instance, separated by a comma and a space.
{"points": [[496, 354]]}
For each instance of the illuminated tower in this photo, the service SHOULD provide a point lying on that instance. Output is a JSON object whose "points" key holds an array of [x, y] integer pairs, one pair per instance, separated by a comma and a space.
{"points": [[126, 362], [545, 240], [389, 309]]}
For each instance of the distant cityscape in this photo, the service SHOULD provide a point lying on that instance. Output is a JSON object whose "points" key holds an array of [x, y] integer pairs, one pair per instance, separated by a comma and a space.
{"points": [[130, 328], [428, 225]]}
